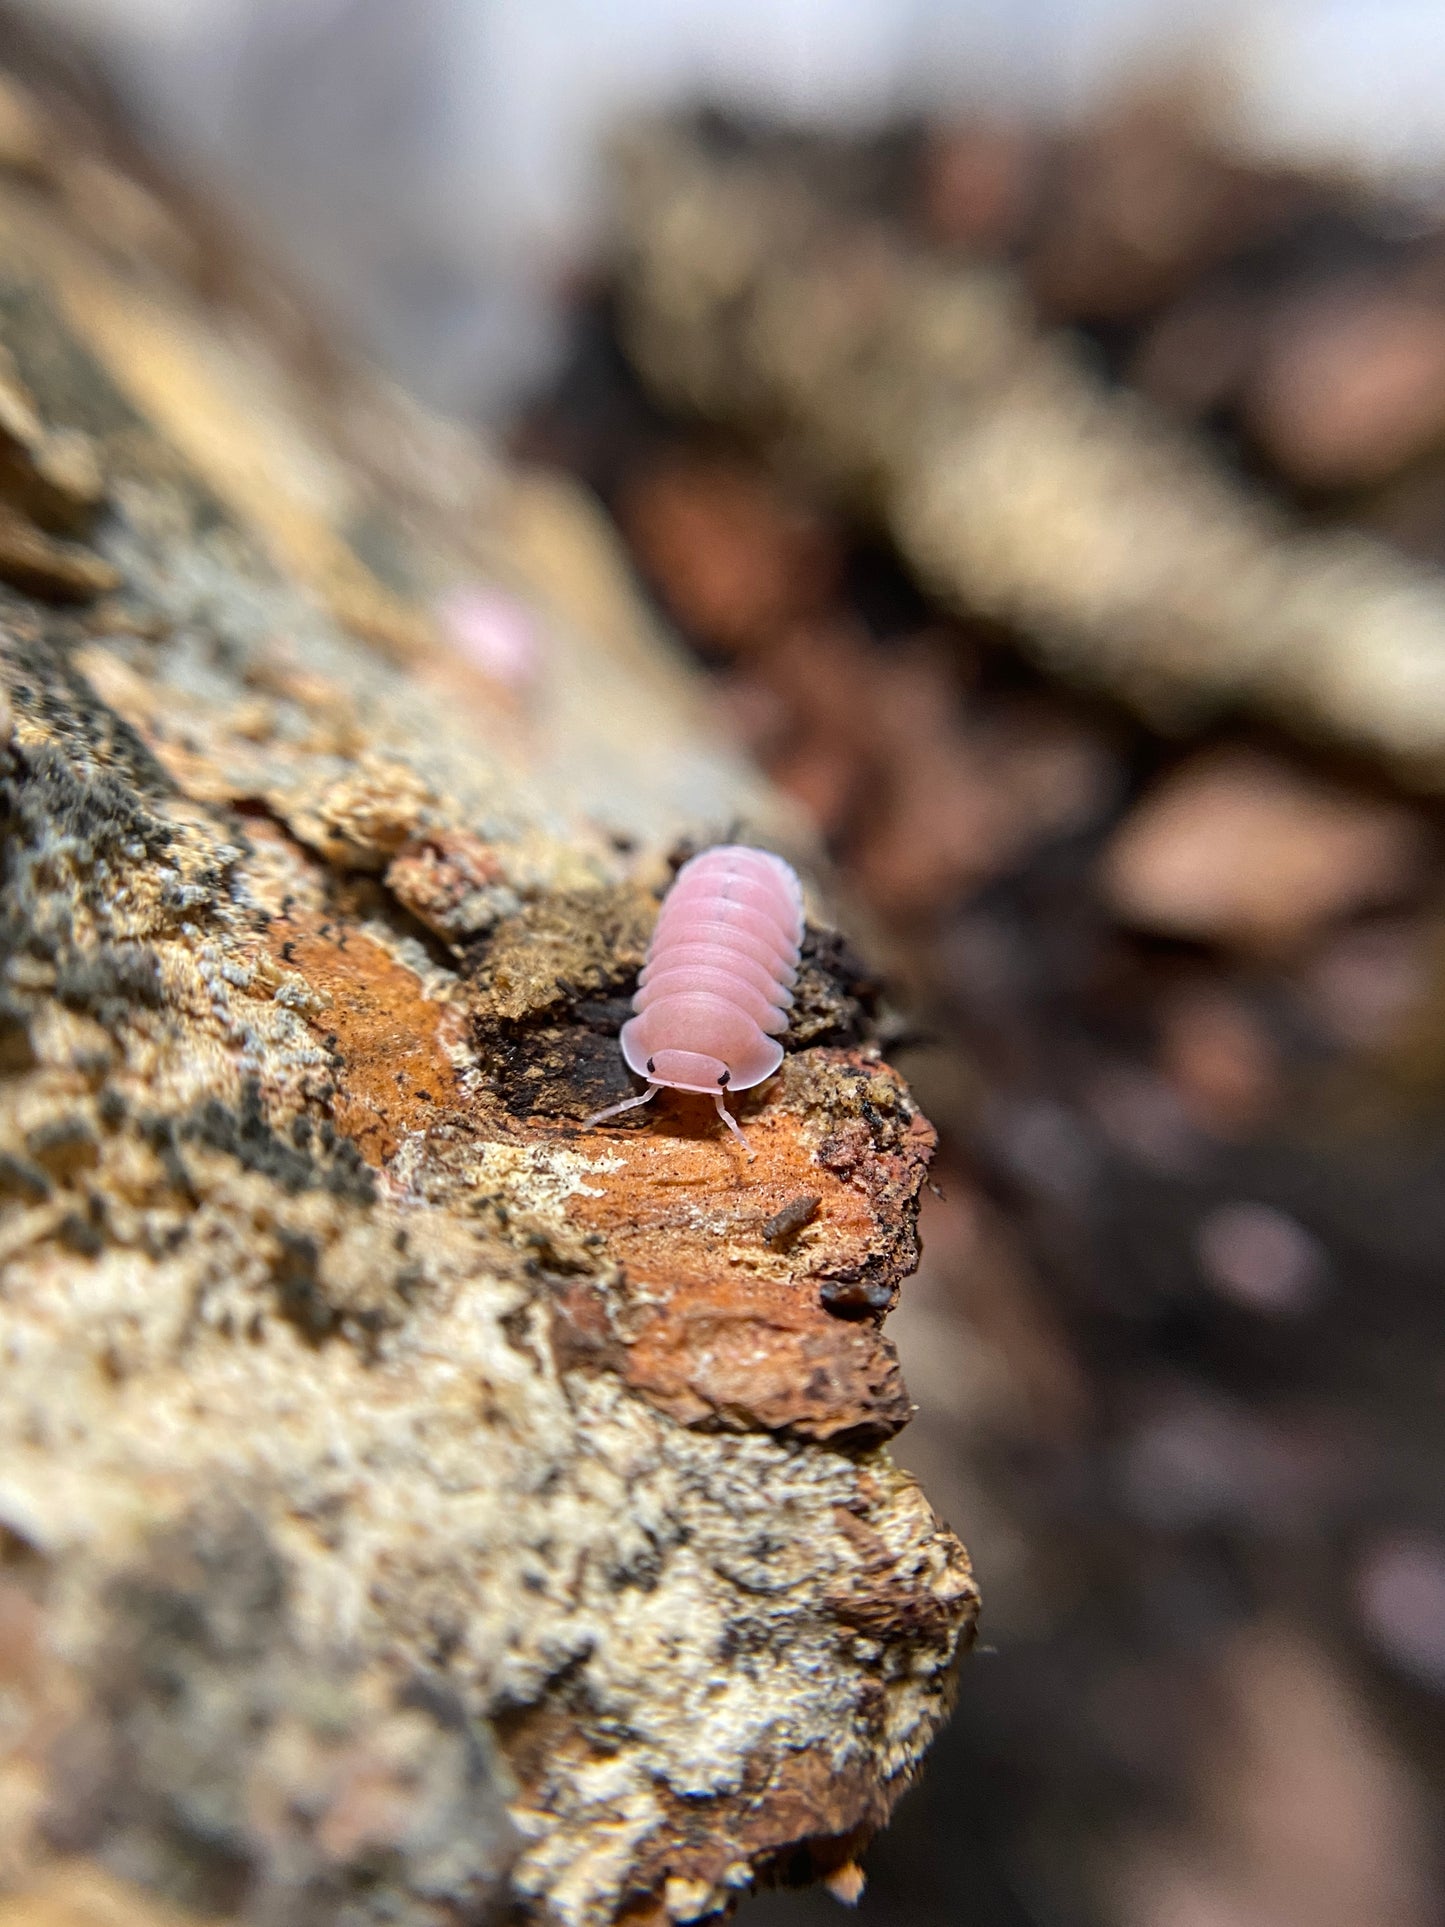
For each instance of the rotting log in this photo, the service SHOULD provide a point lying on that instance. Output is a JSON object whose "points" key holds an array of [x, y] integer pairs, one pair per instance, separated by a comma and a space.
{"points": [[1016, 483], [412, 1501]]}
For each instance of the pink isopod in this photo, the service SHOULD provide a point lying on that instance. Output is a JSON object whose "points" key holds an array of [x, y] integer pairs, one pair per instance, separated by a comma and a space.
{"points": [[715, 992]]}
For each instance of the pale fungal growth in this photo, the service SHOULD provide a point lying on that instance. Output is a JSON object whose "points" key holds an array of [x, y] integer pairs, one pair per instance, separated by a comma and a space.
{"points": [[717, 986]]}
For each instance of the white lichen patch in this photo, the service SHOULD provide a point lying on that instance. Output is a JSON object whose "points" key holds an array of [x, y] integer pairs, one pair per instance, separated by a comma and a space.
{"points": [[538, 1179]]}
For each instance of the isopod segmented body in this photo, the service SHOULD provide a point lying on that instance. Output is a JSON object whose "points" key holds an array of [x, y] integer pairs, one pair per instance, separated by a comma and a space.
{"points": [[715, 992]]}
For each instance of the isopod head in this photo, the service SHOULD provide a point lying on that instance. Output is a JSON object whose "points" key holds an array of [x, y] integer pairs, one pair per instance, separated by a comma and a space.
{"points": [[740, 1055], [687, 1070]]}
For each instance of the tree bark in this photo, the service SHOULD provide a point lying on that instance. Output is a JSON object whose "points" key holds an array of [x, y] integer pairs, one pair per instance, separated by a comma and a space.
{"points": [[413, 1502]]}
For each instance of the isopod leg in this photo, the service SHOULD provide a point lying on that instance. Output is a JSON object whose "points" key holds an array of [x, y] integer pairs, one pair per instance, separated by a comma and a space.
{"points": [[727, 1117], [627, 1104]]}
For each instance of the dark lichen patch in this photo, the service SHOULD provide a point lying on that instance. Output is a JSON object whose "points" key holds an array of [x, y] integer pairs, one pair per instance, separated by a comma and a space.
{"points": [[21, 1181], [17, 1052], [244, 1133], [109, 982], [79, 828], [91, 737], [299, 1296], [70, 836], [64, 1145], [373, 1300], [328, 1273], [179, 1692], [835, 999], [82, 1232]]}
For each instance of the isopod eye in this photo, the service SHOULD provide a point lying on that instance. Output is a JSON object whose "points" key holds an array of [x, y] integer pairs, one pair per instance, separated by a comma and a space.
{"points": [[725, 1076], [649, 1066]]}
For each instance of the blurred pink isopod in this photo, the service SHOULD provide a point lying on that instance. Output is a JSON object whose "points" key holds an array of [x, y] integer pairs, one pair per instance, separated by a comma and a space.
{"points": [[715, 993], [494, 631]]}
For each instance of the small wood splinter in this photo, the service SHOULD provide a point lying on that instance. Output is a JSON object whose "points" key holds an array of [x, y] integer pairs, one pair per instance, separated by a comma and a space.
{"points": [[785, 1225]]}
